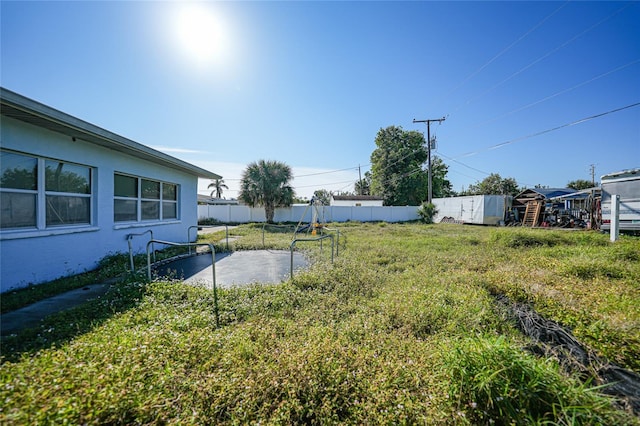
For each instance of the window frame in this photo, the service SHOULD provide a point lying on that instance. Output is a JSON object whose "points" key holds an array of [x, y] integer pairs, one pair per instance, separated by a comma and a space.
{"points": [[141, 200], [41, 195], [60, 194]]}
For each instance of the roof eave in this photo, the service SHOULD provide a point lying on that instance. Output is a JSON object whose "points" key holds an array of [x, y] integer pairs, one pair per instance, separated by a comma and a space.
{"points": [[32, 112]]}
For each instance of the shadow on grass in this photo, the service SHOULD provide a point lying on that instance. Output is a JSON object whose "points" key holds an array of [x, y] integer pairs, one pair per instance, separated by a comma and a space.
{"points": [[111, 267], [124, 293], [59, 328]]}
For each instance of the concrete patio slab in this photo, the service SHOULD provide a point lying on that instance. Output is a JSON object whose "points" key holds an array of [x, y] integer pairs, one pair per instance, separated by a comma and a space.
{"points": [[237, 268], [232, 269]]}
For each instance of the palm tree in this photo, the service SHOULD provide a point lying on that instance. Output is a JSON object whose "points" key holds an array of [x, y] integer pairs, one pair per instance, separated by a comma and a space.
{"points": [[266, 183], [217, 186]]}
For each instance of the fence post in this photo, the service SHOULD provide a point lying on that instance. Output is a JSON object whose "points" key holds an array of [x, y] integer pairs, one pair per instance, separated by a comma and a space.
{"points": [[615, 218]]}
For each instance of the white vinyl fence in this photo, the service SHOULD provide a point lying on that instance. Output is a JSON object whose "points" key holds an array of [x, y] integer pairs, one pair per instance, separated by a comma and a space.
{"points": [[245, 214]]}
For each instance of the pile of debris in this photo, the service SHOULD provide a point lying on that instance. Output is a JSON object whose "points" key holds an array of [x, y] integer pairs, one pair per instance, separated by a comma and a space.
{"points": [[551, 339], [557, 207]]}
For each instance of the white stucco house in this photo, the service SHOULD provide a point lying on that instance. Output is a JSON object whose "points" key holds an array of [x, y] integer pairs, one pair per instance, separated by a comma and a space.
{"points": [[71, 193], [356, 200]]}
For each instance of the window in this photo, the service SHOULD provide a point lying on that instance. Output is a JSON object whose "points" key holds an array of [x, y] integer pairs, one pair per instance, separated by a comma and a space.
{"points": [[150, 200], [139, 199], [39, 193], [169, 201], [125, 205], [68, 193], [19, 186]]}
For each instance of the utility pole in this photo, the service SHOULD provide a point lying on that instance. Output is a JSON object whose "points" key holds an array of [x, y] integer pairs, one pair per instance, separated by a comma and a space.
{"points": [[593, 174], [429, 121]]}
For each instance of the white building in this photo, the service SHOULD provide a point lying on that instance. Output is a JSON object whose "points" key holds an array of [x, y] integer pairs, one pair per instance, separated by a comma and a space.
{"points": [[72, 192], [356, 200]]}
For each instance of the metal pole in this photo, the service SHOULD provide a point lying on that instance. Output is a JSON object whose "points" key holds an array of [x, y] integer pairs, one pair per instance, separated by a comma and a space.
{"points": [[428, 122], [215, 291], [148, 263], [189, 235], [331, 248], [129, 238], [295, 240], [213, 268], [291, 246], [130, 252], [430, 192]]}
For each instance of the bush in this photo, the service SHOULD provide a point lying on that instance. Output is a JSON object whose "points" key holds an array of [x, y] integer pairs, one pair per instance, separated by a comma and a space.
{"points": [[427, 211]]}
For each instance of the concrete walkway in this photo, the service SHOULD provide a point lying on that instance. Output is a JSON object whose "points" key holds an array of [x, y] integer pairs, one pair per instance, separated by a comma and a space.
{"points": [[232, 269], [31, 315]]}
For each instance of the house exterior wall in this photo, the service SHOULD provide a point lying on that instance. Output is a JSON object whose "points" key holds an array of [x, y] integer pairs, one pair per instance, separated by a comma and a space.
{"points": [[356, 203], [34, 256]]}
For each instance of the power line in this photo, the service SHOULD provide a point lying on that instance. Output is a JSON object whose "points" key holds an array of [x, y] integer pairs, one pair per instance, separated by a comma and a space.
{"points": [[324, 173], [398, 176], [406, 174], [546, 55], [360, 165], [469, 167], [463, 164], [325, 184], [542, 132], [560, 92], [468, 154], [506, 49]]}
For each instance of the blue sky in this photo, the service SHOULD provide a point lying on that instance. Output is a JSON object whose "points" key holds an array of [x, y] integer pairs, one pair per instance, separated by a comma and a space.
{"points": [[311, 83]]}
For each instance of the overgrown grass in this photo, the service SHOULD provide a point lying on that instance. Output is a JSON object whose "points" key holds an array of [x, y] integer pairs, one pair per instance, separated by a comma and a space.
{"points": [[580, 280], [494, 381], [401, 329], [112, 268]]}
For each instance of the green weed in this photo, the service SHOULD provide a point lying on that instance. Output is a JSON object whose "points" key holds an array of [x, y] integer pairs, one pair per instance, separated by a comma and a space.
{"points": [[494, 382], [399, 329]]}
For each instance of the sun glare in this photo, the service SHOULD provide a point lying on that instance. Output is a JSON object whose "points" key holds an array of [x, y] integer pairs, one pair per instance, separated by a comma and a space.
{"points": [[200, 34]]}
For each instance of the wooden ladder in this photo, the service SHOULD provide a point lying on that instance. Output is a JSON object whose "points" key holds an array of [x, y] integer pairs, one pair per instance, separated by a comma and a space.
{"points": [[532, 213]]}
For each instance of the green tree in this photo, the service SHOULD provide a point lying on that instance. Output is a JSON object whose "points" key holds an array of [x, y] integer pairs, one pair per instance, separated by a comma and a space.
{"points": [[19, 178], [218, 185], [60, 180], [397, 173], [579, 184], [440, 185], [363, 187], [494, 184], [266, 183], [323, 195], [399, 169]]}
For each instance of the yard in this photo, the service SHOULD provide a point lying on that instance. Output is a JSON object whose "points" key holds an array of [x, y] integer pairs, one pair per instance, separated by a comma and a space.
{"points": [[411, 324]]}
